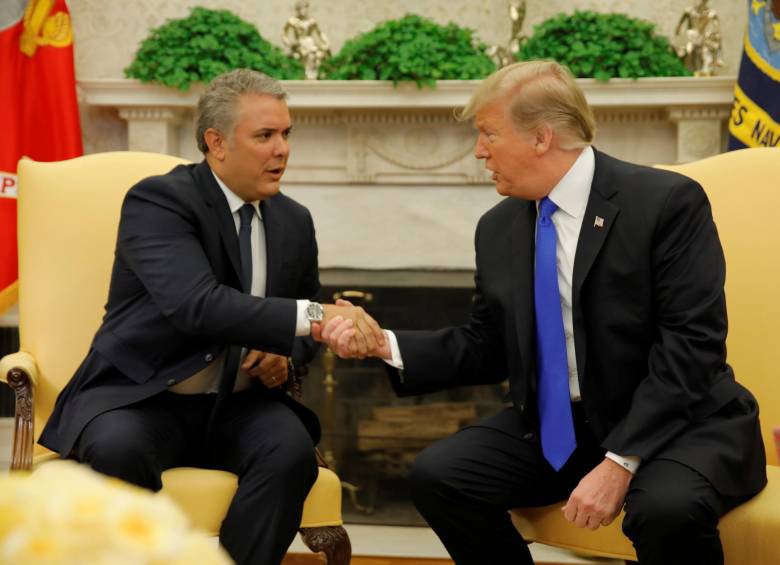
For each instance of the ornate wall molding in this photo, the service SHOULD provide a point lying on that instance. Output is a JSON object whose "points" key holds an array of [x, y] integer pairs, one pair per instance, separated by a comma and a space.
{"points": [[629, 115], [682, 113], [151, 114]]}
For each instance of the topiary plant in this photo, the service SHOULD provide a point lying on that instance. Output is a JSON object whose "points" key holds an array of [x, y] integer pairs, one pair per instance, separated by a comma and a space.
{"points": [[603, 46], [203, 45], [412, 49]]}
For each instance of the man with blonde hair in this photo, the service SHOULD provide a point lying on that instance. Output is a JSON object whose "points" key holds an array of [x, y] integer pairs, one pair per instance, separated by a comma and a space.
{"points": [[599, 295]]}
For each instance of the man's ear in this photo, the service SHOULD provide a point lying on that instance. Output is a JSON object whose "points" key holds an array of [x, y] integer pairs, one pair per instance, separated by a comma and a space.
{"points": [[543, 139], [216, 143]]}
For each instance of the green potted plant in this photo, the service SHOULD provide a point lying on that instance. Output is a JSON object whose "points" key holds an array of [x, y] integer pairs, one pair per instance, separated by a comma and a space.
{"points": [[603, 46], [203, 45], [411, 49]]}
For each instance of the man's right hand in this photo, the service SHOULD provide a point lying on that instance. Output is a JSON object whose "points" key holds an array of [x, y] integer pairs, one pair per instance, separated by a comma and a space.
{"points": [[359, 335]]}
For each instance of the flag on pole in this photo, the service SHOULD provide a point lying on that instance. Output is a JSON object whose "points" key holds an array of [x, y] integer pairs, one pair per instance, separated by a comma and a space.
{"points": [[38, 110], [755, 115]]}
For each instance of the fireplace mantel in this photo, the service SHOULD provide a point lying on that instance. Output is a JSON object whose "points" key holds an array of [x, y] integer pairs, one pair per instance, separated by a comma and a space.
{"points": [[405, 145], [695, 107], [375, 94]]}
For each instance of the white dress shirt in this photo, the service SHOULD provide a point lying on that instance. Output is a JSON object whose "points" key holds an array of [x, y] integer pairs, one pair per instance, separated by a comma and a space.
{"points": [[571, 196], [207, 379]]}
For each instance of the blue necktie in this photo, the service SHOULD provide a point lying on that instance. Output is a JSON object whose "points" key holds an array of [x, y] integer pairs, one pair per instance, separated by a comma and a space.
{"points": [[557, 424], [246, 212]]}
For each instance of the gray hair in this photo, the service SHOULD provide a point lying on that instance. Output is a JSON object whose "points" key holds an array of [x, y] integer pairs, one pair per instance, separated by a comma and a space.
{"points": [[217, 105]]}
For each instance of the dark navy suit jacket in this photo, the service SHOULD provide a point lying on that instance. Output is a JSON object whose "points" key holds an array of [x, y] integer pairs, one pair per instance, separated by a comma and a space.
{"points": [[650, 325], [175, 300]]}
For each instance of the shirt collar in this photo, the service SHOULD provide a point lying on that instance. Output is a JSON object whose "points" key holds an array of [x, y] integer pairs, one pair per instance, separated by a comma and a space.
{"points": [[572, 191], [235, 202]]}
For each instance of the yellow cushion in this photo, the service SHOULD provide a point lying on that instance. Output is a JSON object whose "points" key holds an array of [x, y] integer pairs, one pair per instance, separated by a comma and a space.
{"points": [[205, 495], [749, 532], [323, 504]]}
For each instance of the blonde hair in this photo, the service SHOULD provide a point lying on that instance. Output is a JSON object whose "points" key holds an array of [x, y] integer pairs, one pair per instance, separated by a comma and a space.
{"points": [[538, 92], [217, 105]]}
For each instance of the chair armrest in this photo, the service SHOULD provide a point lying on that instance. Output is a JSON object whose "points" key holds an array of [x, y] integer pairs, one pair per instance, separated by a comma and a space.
{"points": [[19, 360], [21, 373]]}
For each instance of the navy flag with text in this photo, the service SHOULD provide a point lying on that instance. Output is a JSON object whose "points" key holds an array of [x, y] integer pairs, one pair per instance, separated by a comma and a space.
{"points": [[755, 116]]}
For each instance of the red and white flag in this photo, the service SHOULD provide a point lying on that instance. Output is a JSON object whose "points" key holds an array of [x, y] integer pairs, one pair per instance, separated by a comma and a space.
{"points": [[39, 115]]}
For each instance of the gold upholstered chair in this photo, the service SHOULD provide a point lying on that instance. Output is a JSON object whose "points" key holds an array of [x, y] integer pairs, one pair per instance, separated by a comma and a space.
{"points": [[68, 214], [744, 190]]}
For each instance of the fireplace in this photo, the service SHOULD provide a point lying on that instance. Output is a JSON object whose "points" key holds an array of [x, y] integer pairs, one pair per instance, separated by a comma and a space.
{"points": [[370, 436]]}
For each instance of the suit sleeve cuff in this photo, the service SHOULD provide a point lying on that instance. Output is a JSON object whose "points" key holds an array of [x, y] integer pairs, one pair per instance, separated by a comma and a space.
{"points": [[302, 323], [395, 357], [629, 462]]}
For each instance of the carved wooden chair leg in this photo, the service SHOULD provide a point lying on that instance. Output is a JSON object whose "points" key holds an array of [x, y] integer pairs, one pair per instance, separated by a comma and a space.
{"points": [[333, 541]]}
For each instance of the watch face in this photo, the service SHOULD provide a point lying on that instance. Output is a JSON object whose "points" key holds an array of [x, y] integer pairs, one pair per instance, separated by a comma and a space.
{"points": [[315, 312]]}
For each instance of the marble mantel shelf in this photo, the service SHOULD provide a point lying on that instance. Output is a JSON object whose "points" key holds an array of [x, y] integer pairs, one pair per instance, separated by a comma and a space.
{"points": [[334, 94]]}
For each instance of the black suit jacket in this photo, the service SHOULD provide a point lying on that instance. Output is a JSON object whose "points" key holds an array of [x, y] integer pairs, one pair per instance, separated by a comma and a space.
{"points": [[650, 326], [175, 300]]}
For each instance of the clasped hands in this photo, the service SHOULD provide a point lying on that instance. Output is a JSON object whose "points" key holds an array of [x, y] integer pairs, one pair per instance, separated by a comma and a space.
{"points": [[350, 332], [348, 329]]}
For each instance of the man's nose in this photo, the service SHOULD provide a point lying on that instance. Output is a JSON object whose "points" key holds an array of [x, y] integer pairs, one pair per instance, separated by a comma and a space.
{"points": [[480, 152], [282, 147]]}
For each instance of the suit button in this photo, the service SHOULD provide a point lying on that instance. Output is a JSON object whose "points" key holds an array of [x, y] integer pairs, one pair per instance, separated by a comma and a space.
{"points": [[171, 382], [208, 358], [529, 436]]}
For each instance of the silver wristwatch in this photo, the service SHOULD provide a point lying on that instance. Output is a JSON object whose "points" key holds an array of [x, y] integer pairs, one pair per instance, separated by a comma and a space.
{"points": [[314, 312]]}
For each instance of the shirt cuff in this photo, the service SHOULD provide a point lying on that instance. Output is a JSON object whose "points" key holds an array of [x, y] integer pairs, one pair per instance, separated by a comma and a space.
{"points": [[628, 462], [302, 323], [395, 357]]}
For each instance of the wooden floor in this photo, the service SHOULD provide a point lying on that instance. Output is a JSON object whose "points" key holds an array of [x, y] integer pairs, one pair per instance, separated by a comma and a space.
{"points": [[312, 559]]}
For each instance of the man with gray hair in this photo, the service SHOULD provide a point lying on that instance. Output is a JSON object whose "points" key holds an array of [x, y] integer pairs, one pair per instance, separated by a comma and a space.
{"points": [[208, 311], [599, 295]]}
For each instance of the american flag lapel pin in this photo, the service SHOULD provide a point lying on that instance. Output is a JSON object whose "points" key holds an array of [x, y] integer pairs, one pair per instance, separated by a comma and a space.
{"points": [[598, 222]]}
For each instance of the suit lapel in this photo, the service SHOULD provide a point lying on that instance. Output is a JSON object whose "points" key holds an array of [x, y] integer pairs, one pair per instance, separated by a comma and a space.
{"points": [[274, 245], [216, 201], [522, 272], [599, 217]]}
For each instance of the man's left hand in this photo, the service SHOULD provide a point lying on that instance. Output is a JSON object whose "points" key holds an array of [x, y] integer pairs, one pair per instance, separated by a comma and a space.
{"points": [[270, 368], [597, 500]]}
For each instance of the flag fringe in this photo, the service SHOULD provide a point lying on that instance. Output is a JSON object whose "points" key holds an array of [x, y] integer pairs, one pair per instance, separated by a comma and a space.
{"points": [[9, 296]]}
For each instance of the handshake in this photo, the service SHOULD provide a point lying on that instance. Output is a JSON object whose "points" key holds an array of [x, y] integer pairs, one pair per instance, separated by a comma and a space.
{"points": [[350, 332]]}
